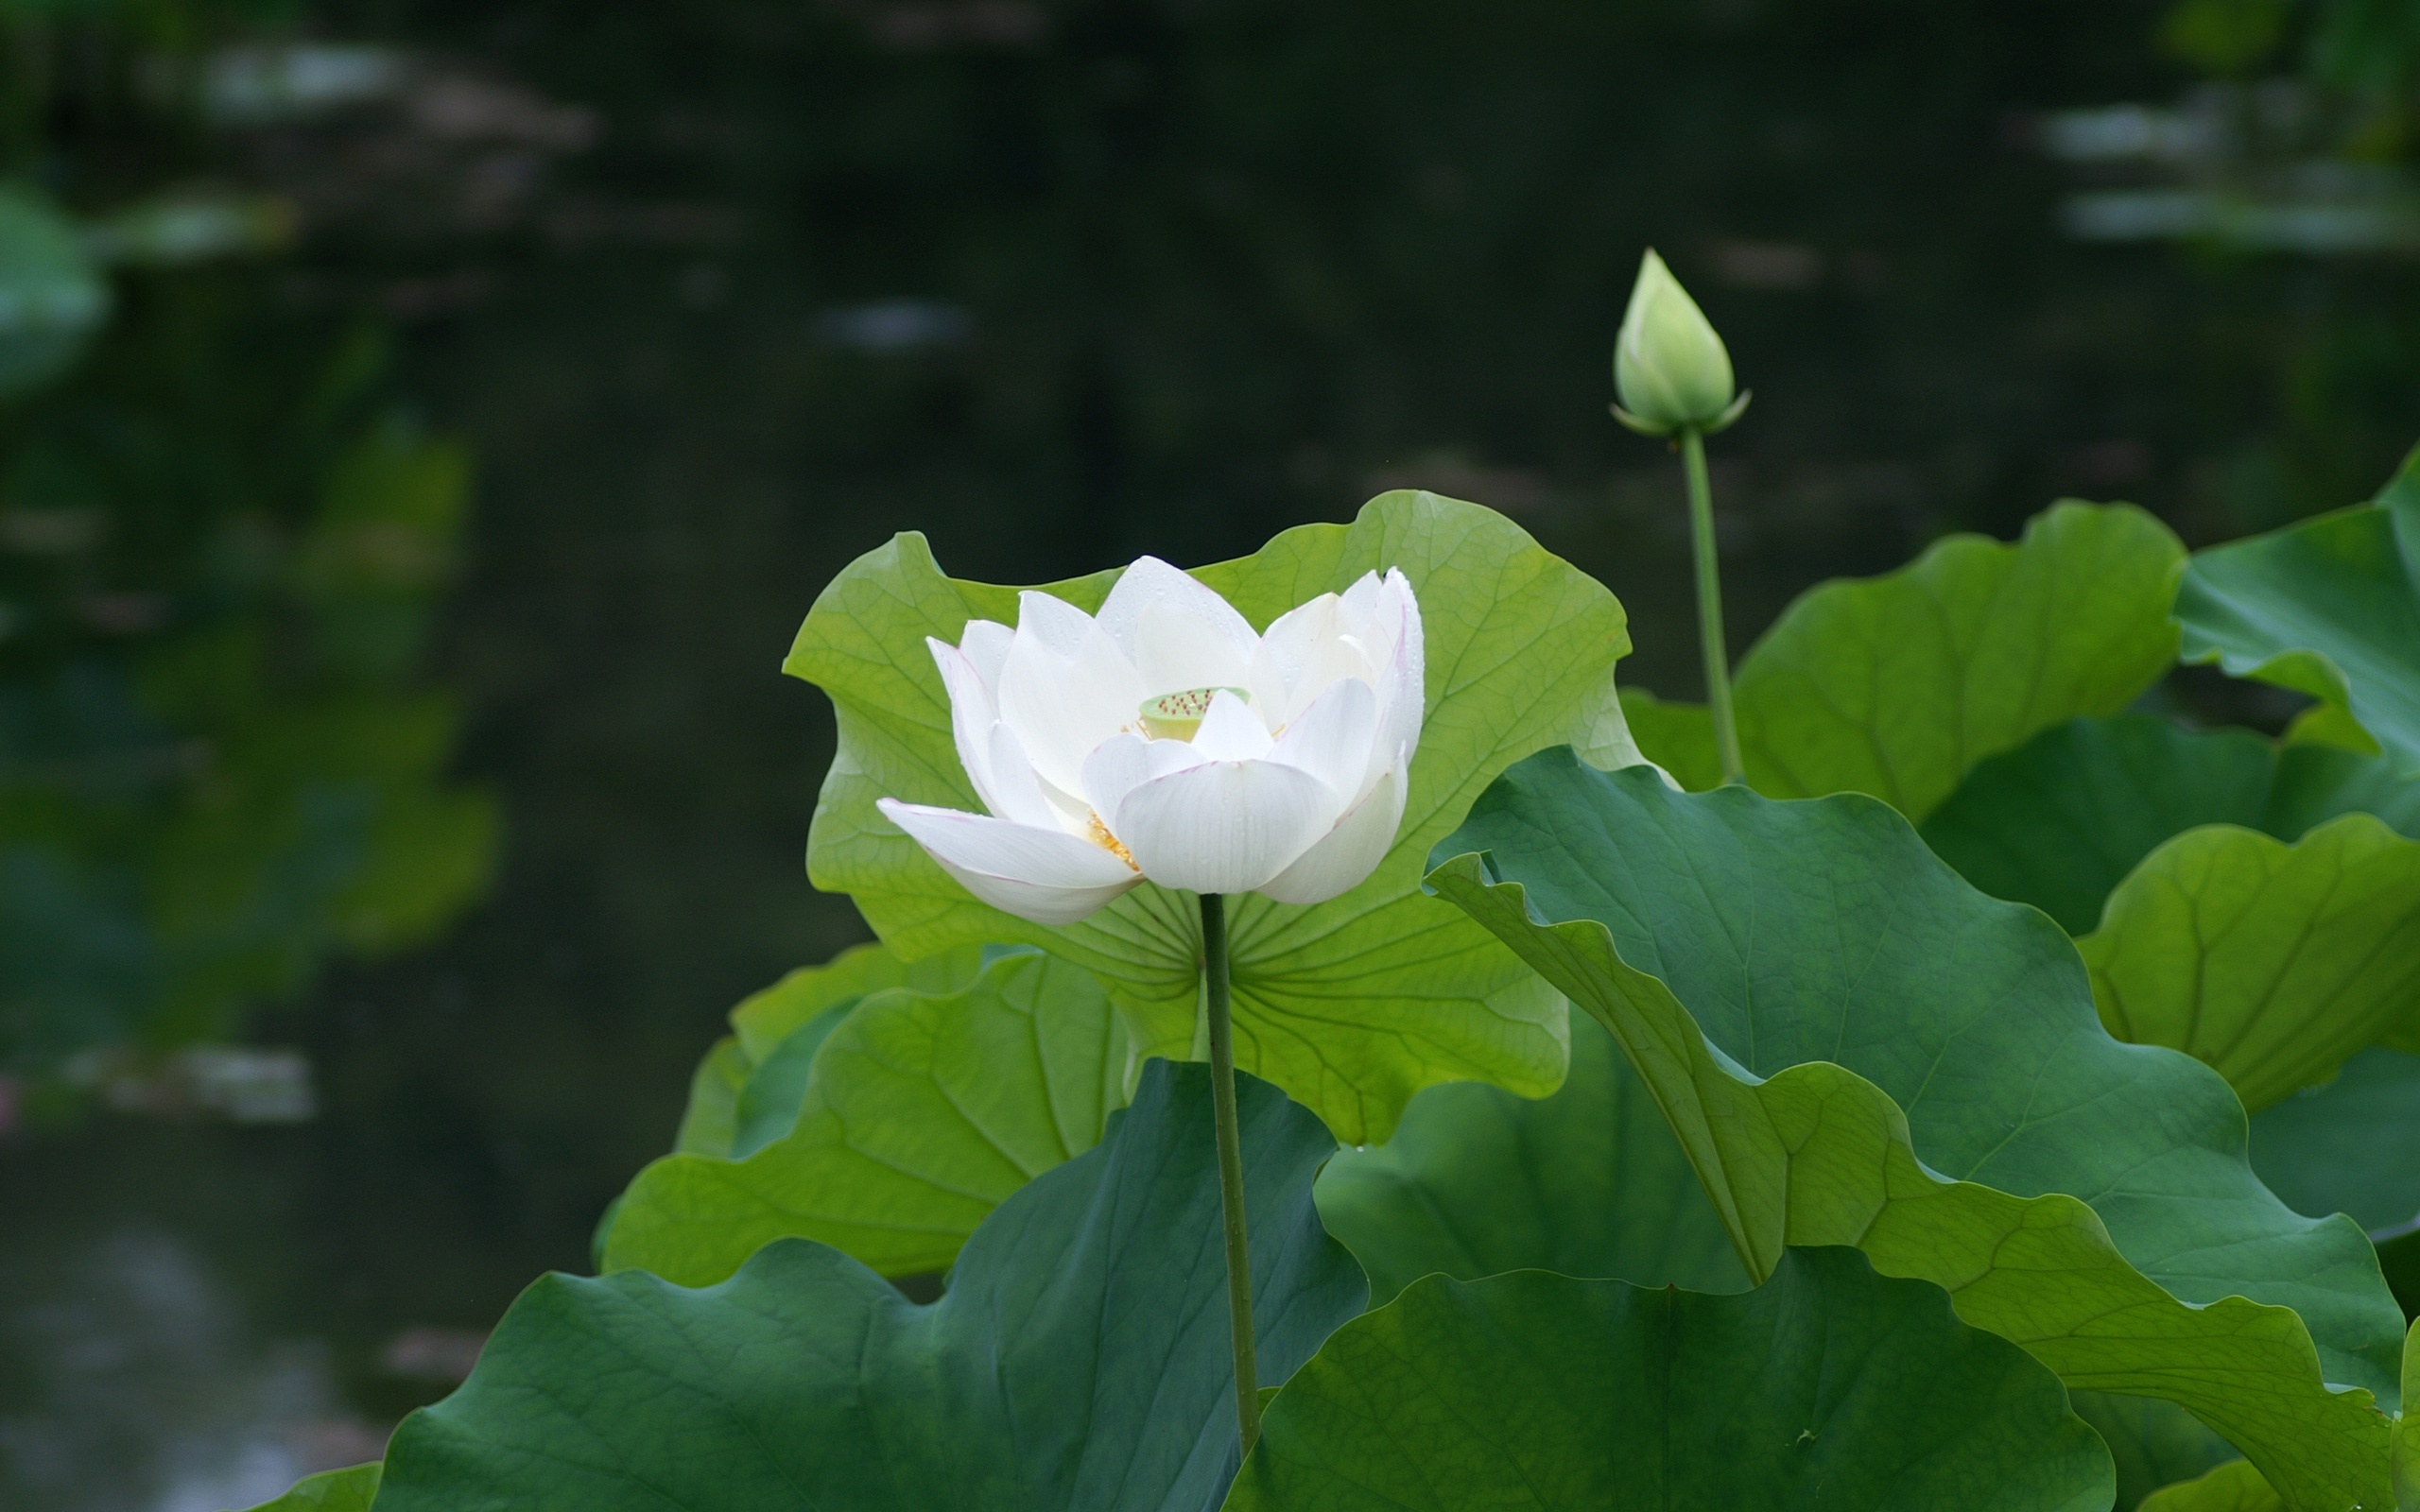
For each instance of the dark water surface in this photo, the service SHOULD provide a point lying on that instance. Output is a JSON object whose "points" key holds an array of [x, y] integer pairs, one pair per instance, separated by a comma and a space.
{"points": [[714, 296]]}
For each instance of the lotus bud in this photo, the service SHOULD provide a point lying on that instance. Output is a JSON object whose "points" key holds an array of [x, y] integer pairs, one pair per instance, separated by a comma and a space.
{"points": [[1670, 367]]}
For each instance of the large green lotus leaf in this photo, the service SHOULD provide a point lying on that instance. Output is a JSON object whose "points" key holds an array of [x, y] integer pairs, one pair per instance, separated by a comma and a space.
{"points": [[1590, 1182], [2330, 608], [1896, 685], [1476, 1182], [345, 1490], [2351, 1146], [1828, 1389], [1078, 1361], [2240, 1487], [2154, 1443], [2061, 821], [1838, 974], [1352, 1004], [2273, 963], [921, 1114]]}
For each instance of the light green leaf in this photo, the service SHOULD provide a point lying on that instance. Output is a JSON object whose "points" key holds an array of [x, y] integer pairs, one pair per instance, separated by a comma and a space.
{"points": [[2272, 963], [1821, 948], [1828, 1388], [1476, 1182], [1678, 737], [2406, 1433], [746, 1092], [2061, 821], [2351, 1146], [2235, 1487], [1897, 686], [921, 1114], [1079, 1361], [711, 1119], [764, 1019], [2239, 1488], [345, 1490], [1351, 1005], [2330, 608]]}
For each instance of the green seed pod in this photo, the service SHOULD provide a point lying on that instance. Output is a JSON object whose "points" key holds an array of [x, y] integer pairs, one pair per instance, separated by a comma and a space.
{"points": [[1670, 367]]}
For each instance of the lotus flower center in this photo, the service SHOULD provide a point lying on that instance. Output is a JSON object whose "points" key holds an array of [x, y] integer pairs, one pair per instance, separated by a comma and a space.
{"points": [[1178, 715]]}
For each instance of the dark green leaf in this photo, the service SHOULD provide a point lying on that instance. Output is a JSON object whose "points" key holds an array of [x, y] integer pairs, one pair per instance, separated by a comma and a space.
{"points": [[1828, 1389], [1476, 1182], [2061, 821], [2154, 1443], [1853, 1008], [2330, 608], [2350, 1146], [766, 1106], [1079, 1360]]}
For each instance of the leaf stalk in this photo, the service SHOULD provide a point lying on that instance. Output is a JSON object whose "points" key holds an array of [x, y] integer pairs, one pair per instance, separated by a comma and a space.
{"points": [[1231, 1164], [1717, 662]]}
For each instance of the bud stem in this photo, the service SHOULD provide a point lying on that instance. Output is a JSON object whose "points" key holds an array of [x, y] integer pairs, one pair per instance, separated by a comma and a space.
{"points": [[1230, 1164], [1718, 662]]}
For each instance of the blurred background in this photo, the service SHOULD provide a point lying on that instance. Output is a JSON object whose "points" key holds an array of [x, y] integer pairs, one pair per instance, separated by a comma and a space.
{"points": [[423, 424]]}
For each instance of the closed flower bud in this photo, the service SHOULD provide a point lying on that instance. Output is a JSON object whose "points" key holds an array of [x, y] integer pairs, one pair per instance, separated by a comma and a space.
{"points": [[1670, 367]]}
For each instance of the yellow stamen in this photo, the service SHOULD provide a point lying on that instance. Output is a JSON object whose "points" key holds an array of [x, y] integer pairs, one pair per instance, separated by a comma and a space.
{"points": [[1098, 835]]}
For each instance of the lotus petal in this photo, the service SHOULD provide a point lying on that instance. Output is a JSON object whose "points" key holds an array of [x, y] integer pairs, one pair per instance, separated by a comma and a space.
{"points": [[1342, 858], [1223, 827], [1047, 876]]}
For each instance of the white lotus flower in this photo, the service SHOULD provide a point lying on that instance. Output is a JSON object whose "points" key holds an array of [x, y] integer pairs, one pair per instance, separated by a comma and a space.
{"points": [[1163, 740]]}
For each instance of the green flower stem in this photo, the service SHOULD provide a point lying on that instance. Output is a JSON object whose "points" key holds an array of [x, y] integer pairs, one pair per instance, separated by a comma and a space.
{"points": [[1718, 662], [1231, 1164]]}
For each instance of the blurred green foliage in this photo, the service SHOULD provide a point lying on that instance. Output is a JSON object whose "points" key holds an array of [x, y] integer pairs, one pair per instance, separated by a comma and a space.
{"points": [[221, 761], [52, 296], [218, 760], [2366, 52]]}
